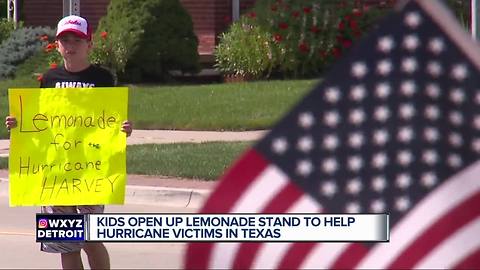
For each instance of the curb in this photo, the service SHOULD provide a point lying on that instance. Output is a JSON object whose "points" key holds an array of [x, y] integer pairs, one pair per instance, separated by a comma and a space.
{"points": [[173, 197], [176, 197]]}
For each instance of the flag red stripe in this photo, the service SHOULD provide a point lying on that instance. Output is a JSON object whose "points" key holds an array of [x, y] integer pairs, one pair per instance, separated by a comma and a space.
{"points": [[285, 199], [470, 262], [350, 257], [279, 204], [439, 231], [296, 255], [227, 192], [235, 182]]}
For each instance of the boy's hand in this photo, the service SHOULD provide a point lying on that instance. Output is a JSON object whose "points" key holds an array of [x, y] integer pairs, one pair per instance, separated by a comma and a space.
{"points": [[10, 122], [127, 127]]}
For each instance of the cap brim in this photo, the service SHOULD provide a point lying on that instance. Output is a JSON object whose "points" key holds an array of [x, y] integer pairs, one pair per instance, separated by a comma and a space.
{"points": [[73, 31]]}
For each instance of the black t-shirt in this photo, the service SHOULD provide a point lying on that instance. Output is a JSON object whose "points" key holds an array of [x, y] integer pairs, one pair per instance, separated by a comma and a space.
{"points": [[93, 76]]}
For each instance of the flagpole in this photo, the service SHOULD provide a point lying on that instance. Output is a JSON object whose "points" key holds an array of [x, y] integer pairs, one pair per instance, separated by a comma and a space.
{"points": [[474, 18], [235, 10]]}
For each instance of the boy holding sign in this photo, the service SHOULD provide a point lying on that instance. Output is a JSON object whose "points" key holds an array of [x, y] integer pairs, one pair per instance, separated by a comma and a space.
{"points": [[74, 44]]}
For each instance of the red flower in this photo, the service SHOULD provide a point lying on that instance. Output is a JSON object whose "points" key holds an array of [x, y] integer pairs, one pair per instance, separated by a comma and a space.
{"points": [[273, 8], [353, 24], [336, 52], [341, 26], [314, 29], [303, 47], [283, 25], [295, 14], [43, 38], [40, 77], [53, 65], [104, 34], [357, 13], [50, 47], [357, 33], [278, 38], [252, 15], [322, 54], [307, 10], [346, 43]]}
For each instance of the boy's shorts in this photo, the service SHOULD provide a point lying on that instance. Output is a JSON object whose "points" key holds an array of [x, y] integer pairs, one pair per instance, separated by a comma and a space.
{"points": [[67, 247]]}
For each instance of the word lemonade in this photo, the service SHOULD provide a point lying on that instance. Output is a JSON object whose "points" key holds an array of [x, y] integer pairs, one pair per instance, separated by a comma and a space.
{"points": [[66, 151]]}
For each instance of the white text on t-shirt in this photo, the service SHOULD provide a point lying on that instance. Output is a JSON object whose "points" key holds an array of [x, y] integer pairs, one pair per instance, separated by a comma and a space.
{"points": [[73, 85]]}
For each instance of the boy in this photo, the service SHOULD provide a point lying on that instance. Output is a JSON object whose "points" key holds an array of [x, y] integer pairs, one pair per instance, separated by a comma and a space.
{"points": [[74, 43]]}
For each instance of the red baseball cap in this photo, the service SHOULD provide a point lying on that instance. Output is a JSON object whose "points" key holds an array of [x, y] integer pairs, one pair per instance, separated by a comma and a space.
{"points": [[74, 24]]}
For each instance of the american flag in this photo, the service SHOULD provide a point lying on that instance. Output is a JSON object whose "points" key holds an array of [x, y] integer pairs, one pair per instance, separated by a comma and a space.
{"points": [[394, 128]]}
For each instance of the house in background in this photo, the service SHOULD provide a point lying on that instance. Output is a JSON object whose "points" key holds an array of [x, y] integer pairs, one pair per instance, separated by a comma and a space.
{"points": [[210, 17]]}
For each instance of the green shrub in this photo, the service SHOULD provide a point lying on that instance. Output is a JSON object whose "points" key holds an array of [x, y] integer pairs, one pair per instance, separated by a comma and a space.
{"points": [[245, 50], [3, 8], [6, 28], [293, 38], [312, 34], [352, 25], [34, 66], [22, 44], [146, 39]]}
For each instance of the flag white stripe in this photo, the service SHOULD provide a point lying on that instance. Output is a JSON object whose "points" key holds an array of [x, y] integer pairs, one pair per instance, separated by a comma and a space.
{"points": [[324, 255], [447, 196], [305, 204], [270, 254], [263, 189], [457, 247]]}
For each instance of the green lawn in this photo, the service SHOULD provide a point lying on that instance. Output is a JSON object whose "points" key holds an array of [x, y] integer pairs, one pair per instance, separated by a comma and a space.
{"points": [[243, 106], [188, 160]]}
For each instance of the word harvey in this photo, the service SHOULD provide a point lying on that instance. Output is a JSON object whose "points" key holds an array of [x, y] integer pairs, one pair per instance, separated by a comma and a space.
{"points": [[41, 121], [52, 186]]}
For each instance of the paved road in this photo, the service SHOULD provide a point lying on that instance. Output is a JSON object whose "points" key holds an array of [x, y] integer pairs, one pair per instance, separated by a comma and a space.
{"points": [[19, 250]]}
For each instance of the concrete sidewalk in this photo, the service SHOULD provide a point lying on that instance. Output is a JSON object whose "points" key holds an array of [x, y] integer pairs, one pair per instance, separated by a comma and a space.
{"points": [[174, 136], [160, 190], [180, 136]]}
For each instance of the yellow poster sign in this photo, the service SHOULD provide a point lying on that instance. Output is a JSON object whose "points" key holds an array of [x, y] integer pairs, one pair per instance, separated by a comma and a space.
{"points": [[67, 147]]}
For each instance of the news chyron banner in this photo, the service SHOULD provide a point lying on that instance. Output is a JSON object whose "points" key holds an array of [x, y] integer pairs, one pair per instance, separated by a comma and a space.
{"points": [[67, 147], [214, 227]]}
